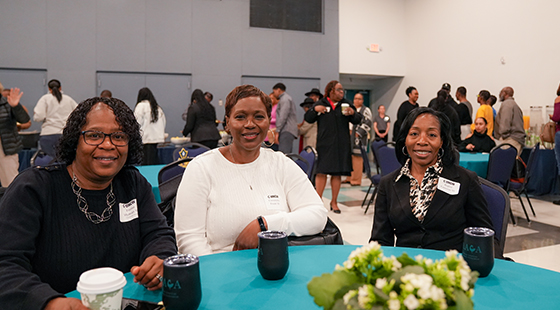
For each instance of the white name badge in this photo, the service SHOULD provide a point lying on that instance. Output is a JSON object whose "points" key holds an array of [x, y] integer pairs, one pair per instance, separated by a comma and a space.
{"points": [[128, 211], [273, 202], [448, 186]]}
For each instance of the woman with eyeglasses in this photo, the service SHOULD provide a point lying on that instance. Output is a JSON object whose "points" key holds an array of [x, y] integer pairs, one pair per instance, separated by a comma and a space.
{"points": [[92, 210], [333, 114]]}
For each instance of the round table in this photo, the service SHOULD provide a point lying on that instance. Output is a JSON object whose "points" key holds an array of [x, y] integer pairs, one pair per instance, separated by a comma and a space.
{"points": [[231, 281]]}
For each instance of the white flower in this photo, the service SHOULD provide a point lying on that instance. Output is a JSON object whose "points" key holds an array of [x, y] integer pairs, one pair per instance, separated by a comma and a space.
{"points": [[418, 258], [411, 302], [380, 283], [451, 253], [394, 304], [428, 261], [349, 296], [363, 296]]}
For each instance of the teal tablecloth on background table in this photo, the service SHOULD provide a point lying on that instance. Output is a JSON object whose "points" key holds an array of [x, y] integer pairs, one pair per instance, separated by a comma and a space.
{"points": [[232, 281], [150, 172], [477, 162]]}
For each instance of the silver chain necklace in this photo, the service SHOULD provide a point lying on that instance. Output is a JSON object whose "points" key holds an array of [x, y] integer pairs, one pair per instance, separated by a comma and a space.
{"points": [[239, 170], [92, 216]]}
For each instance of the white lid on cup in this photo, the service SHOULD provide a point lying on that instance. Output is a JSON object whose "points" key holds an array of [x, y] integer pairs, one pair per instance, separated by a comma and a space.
{"points": [[100, 281]]}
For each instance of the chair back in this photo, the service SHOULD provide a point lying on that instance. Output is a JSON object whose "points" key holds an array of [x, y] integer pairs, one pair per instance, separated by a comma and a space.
{"points": [[302, 163], [173, 169], [365, 159], [40, 158], [531, 163], [189, 149], [387, 159], [309, 154], [500, 164], [499, 207], [375, 145]]}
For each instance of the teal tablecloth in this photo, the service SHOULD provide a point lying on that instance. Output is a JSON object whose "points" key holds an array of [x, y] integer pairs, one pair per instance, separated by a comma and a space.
{"points": [[232, 281], [150, 172], [477, 162]]}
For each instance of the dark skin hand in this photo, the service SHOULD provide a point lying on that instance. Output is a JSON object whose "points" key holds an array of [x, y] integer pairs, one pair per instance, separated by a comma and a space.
{"points": [[146, 273], [63, 303], [248, 238]]}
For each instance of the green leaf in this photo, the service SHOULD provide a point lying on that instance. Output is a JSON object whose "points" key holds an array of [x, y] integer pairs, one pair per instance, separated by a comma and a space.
{"points": [[474, 277], [380, 295], [406, 260], [339, 305], [324, 288], [463, 301], [345, 289]]}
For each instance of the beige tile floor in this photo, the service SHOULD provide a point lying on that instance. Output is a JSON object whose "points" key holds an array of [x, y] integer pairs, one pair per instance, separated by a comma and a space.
{"points": [[536, 245]]}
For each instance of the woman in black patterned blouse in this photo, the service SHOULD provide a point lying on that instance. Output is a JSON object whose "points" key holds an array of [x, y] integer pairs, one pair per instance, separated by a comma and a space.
{"points": [[430, 200]]}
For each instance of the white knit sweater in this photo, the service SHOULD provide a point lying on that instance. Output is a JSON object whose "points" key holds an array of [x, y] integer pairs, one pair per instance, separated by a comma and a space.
{"points": [[215, 201]]}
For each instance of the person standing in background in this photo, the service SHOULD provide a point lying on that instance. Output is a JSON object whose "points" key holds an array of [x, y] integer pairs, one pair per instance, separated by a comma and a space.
{"points": [[106, 94], [52, 109], [485, 111], [20, 126], [333, 138], [405, 107], [152, 122], [11, 112], [271, 140], [314, 94], [286, 121], [556, 118], [306, 130], [509, 121], [441, 104], [381, 124], [359, 138], [464, 109], [201, 121]]}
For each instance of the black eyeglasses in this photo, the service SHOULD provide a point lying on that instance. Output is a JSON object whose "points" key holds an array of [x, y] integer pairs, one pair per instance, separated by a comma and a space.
{"points": [[93, 137]]}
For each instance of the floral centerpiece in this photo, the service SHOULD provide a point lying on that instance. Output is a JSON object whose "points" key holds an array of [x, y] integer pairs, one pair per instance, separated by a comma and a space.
{"points": [[369, 280]]}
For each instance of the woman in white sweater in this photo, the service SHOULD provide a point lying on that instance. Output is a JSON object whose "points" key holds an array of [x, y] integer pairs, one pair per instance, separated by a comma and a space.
{"points": [[152, 124], [52, 110], [225, 190]]}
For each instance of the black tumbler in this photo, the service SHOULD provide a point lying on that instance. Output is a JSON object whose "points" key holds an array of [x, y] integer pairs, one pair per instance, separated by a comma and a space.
{"points": [[273, 259], [478, 249], [181, 282]]}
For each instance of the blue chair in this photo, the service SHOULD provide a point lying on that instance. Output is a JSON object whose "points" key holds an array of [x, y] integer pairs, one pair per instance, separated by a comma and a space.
{"points": [[387, 161], [498, 203], [40, 158], [375, 179], [173, 169], [376, 144], [310, 154], [519, 188], [189, 149], [500, 164], [169, 178]]}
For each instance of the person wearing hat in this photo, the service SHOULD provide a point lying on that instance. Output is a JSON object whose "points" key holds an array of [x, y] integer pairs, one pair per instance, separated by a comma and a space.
{"points": [[314, 94], [449, 100], [308, 131]]}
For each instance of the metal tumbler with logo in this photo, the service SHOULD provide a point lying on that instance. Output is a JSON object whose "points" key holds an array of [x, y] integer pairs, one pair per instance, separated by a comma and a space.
{"points": [[181, 282], [478, 249]]}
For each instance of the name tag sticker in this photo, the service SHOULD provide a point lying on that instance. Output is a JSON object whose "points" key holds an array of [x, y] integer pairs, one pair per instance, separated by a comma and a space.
{"points": [[448, 186], [128, 211], [273, 202]]}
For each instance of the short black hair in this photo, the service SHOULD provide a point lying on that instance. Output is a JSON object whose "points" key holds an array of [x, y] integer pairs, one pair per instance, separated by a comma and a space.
{"points": [[410, 89], [66, 148], [279, 85], [492, 100], [462, 90], [449, 152], [484, 94]]}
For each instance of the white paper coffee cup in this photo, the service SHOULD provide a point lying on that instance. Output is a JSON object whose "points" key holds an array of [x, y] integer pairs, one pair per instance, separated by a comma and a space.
{"points": [[344, 107], [102, 288]]}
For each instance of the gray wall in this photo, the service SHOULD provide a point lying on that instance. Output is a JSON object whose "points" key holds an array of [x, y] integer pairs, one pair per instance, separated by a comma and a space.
{"points": [[210, 40]]}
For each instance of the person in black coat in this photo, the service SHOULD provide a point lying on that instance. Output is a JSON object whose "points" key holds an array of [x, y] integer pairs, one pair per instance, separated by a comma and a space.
{"points": [[447, 108], [404, 108], [479, 140], [334, 147], [201, 121], [450, 199]]}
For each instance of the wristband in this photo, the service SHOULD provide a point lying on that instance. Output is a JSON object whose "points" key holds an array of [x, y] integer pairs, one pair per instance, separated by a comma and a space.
{"points": [[261, 223]]}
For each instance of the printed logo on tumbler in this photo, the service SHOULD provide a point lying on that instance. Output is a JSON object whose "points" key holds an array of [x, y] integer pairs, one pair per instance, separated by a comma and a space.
{"points": [[170, 285], [469, 248]]}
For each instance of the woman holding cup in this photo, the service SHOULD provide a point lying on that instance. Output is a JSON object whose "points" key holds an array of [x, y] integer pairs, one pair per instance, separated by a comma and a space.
{"points": [[333, 114], [228, 195], [431, 199], [93, 210]]}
